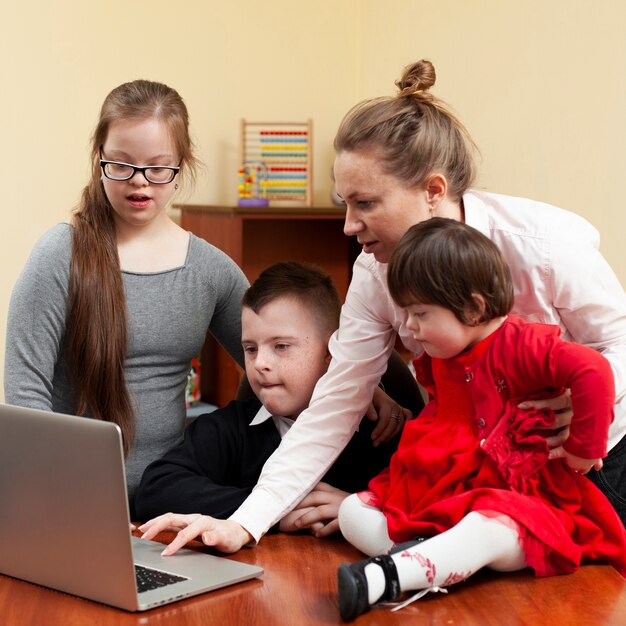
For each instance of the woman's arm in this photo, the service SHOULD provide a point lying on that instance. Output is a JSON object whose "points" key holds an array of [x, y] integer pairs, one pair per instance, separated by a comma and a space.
{"points": [[592, 304], [589, 304]]}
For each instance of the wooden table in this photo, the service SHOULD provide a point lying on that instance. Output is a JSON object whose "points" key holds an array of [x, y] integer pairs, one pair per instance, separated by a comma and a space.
{"points": [[298, 588]]}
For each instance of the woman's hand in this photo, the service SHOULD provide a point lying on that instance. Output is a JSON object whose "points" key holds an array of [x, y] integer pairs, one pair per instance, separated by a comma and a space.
{"points": [[558, 432], [390, 415], [318, 512], [578, 464], [562, 407], [225, 535]]}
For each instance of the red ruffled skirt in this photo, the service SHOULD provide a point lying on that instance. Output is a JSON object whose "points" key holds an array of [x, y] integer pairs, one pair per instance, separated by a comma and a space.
{"points": [[441, 472]]}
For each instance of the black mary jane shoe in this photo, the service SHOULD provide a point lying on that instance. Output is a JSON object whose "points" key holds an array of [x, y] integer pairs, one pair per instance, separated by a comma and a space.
{"points": [[352, 591]]}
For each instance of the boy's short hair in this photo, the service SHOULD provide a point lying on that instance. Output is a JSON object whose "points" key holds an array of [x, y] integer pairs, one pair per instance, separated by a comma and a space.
{"points": [[303, 282], [444, 262]]}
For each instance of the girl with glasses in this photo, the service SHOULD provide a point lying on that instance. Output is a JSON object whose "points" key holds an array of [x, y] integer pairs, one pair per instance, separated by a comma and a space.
{"points": [[110, 309]]}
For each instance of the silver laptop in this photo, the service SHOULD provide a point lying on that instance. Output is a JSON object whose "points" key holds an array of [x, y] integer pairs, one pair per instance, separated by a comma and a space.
{"points": [[64, 518]]}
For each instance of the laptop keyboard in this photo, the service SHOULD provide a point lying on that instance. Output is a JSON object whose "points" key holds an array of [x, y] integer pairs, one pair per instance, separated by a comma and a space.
{"points": [[148, 579]]}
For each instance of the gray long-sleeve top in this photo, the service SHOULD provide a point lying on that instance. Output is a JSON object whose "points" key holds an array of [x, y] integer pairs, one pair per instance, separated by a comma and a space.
{"points": [[168, 315]]}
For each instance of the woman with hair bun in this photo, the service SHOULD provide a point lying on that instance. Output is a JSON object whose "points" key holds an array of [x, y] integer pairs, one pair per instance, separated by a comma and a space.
{"points": [[401, 160]]}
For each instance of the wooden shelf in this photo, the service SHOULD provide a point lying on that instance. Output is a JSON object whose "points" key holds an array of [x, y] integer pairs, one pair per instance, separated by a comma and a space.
{"points": [[256, 238], [297, 212]]}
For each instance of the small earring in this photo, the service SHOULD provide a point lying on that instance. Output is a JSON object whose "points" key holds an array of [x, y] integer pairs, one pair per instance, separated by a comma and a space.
{"points": [[431, 211], [176, 186]]}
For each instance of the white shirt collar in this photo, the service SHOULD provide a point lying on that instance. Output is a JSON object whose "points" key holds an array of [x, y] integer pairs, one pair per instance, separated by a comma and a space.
{"points": [[283, 424], [475, 214]]}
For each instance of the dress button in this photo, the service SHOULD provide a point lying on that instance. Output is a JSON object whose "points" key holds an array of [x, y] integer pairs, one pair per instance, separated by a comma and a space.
{"points": [[469, 377], [481, 423]]}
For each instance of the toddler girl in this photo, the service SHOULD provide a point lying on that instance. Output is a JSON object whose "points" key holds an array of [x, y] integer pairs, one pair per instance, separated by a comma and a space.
{"points": [[472, 483]]}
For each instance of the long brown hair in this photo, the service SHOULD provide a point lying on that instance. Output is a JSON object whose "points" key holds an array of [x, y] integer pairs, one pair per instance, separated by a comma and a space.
{"points": [[413, 132], [96, 329]]}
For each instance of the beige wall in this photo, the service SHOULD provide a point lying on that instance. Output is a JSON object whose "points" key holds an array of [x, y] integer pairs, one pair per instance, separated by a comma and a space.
{"points": [[539, 84]]}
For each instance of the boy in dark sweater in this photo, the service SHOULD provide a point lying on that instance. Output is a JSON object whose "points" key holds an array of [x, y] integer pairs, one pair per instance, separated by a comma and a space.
{"points": [[288, 316]]}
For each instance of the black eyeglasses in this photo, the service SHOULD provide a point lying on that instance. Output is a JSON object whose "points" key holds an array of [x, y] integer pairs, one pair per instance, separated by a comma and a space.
{"points": [[155, 174]]}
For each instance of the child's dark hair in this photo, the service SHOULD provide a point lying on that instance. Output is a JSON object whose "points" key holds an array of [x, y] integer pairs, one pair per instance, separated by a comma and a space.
{"points": [[445, 262], [300, 281]]}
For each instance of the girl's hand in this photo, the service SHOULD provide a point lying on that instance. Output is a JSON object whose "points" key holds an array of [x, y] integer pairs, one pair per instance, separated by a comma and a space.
{"points": [[390, 415], [578, 464], [558, 433]]}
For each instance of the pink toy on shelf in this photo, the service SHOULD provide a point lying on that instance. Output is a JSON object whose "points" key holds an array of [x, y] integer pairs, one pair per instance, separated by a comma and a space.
{"points": [[252, 179], [192, 391], [284, 149]]}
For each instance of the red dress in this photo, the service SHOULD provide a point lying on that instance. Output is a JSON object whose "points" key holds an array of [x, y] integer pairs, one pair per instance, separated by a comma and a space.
{"points": [[441, 471]]}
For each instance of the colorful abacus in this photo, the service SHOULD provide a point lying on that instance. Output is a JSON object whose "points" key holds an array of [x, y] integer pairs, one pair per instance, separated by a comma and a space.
{"points": [[285, 149]]}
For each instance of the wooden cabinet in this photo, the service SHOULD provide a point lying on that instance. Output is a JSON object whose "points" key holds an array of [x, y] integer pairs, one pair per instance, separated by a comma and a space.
{"points": [[256, 238]]}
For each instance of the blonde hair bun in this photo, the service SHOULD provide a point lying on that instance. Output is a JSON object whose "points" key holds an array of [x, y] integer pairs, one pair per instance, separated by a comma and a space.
{"points": [[416, 78]]}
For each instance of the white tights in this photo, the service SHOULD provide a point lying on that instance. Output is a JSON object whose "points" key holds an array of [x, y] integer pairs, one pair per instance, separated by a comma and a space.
{"points": [[477, 541], [364, 526]]}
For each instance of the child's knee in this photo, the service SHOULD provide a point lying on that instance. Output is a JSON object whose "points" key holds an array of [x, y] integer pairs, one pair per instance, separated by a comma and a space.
{"points": [[505, 532], [364, 525], [348, 509]]}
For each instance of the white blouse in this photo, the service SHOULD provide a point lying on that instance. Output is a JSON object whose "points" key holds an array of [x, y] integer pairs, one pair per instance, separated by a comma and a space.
{"points": [[559, 276]]}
